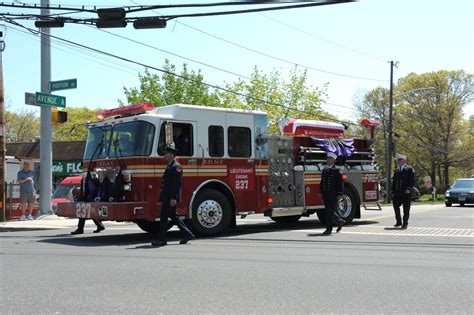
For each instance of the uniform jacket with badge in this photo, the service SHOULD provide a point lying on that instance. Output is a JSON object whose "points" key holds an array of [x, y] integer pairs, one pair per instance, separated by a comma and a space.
{"points": [[331, 181], [171, 183], [403, 179]]}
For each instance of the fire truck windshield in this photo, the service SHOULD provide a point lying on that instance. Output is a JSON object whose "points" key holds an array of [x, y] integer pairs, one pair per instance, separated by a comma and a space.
{"points": [[127, 139]]}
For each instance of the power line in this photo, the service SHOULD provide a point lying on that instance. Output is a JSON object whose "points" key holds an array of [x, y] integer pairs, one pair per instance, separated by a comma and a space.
{"points": [[160, 70], [92, 21], [323, 39], [176, 55], [82, 51], [281, 59]]}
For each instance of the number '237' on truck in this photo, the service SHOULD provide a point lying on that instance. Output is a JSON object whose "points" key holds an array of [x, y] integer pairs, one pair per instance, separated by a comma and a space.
{"points": [[231, 167]]}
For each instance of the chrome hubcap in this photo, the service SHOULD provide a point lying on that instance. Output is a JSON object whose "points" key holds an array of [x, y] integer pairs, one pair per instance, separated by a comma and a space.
{"points": [[344, 206], [209, 213]]}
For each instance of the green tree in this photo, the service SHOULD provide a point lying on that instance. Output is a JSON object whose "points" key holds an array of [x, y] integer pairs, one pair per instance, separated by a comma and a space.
{"points": [[279, 98], [431, 121], [428, 125], [74, 128], [187, 88], [23, 126]]}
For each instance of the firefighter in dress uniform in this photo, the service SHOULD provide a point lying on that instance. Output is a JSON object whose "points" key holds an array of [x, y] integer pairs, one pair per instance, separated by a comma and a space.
{"points": [[330, 188], [402, 185], [169, 197]]}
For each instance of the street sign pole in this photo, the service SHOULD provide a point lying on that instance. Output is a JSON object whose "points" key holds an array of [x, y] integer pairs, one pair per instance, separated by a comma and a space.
{"points": [[46, 142]]}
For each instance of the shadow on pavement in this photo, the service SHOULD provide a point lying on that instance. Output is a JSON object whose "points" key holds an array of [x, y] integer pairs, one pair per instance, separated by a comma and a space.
{"points": [[130, 239]]}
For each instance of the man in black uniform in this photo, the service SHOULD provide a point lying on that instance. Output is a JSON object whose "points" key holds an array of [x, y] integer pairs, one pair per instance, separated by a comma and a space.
{"points": [[402, 185], [331, 186], [169, 197]]}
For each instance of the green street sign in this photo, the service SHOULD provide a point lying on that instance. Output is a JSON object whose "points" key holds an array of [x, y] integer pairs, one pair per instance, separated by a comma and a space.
{"points": [[63, 85], [50, 100]]}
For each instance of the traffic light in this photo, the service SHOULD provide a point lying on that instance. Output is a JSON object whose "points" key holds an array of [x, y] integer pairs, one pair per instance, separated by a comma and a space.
{"points": [[58, 116]]}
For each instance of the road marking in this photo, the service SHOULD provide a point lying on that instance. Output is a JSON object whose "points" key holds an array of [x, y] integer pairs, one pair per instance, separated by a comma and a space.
{"points": [[385, 216], [411, 231]]}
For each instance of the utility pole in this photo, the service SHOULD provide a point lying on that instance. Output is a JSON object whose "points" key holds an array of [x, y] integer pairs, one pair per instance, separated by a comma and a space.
{"points": [[2, 136], [390, 140], [46, 133]]}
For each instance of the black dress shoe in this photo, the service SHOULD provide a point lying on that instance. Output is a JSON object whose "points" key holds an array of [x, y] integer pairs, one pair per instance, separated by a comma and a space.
{"points": [[186, 239], [397, 225], [78, 231], [327, 232], [339, 228], [99, 229], [158, 244], [404, 226]]}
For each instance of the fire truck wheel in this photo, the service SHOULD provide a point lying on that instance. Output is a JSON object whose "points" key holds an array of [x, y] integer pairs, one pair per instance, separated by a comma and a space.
{"points": [[211, 213], [347, 205], [288, 219]]}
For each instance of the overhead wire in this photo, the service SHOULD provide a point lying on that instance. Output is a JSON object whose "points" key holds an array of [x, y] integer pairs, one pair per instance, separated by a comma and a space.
{"points": [[281, 59], [87, 55], [163, 71], [175, 55], [323, 39], [91, 21]]}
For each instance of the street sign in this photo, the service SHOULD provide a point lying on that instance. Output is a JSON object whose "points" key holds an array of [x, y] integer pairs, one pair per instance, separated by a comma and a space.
{"points": [[63, 85], [50, 100], [30, 99]]}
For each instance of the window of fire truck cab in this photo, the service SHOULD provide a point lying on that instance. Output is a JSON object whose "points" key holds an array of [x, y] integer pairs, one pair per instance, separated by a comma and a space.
{"points": [[127, 139], [182, 138], [132, 139], [216, 141], [239, 142]]}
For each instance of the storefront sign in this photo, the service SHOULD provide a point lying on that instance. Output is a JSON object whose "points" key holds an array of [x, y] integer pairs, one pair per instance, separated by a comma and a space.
{"points": [[67, 167]]}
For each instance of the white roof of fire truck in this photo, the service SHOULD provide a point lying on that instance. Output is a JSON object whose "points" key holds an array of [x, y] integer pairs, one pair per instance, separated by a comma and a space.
{"points": [[169, 111]]}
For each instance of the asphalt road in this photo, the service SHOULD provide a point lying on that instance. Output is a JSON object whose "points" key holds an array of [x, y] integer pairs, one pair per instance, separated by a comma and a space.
{"points": [[259, 267]]}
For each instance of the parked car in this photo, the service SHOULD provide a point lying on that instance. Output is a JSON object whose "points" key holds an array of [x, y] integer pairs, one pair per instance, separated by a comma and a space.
{"points": [[62, 192], [462, 192]]}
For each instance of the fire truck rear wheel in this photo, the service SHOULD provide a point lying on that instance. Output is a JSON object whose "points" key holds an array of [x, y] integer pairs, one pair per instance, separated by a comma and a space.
{"points": [[211, 213], [287, 219], [346, 206]]}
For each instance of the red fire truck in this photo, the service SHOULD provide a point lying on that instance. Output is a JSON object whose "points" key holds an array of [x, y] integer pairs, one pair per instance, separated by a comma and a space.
{"points": [[231, 167]]}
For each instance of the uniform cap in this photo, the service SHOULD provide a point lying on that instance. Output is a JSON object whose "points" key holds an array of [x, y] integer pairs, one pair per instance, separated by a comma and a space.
{"points": [[171, 148], [401, 157], [331, 155]]}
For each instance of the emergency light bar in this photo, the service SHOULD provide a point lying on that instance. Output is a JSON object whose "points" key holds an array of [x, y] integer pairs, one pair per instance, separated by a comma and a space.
{"points": [[370, 122], [130, 110]]}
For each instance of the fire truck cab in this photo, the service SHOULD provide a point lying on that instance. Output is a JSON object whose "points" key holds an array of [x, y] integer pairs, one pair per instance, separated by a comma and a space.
{"points": [[231, 166]]}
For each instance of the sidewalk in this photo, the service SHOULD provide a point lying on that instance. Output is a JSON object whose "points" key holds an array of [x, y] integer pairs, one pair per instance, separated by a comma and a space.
{"points": [[48, 222]]}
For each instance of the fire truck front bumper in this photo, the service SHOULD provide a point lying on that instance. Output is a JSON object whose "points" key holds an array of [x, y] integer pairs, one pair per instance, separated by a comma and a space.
{"points": [[119, 211]]}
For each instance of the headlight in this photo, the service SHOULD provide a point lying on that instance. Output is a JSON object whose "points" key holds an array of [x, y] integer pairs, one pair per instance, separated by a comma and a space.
{"points": [[447, 193], [127, 177]]}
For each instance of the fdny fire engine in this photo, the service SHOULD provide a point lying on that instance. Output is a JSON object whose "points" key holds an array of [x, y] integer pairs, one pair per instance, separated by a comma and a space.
{"points": [[231, 167]]}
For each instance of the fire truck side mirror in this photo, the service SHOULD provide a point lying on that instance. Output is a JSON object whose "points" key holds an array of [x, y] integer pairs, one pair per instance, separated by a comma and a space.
{"points": [[168, 133]]}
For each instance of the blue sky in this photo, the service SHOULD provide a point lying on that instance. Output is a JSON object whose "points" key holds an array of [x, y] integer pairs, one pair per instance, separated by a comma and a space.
{"points": [[354, 39]]}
